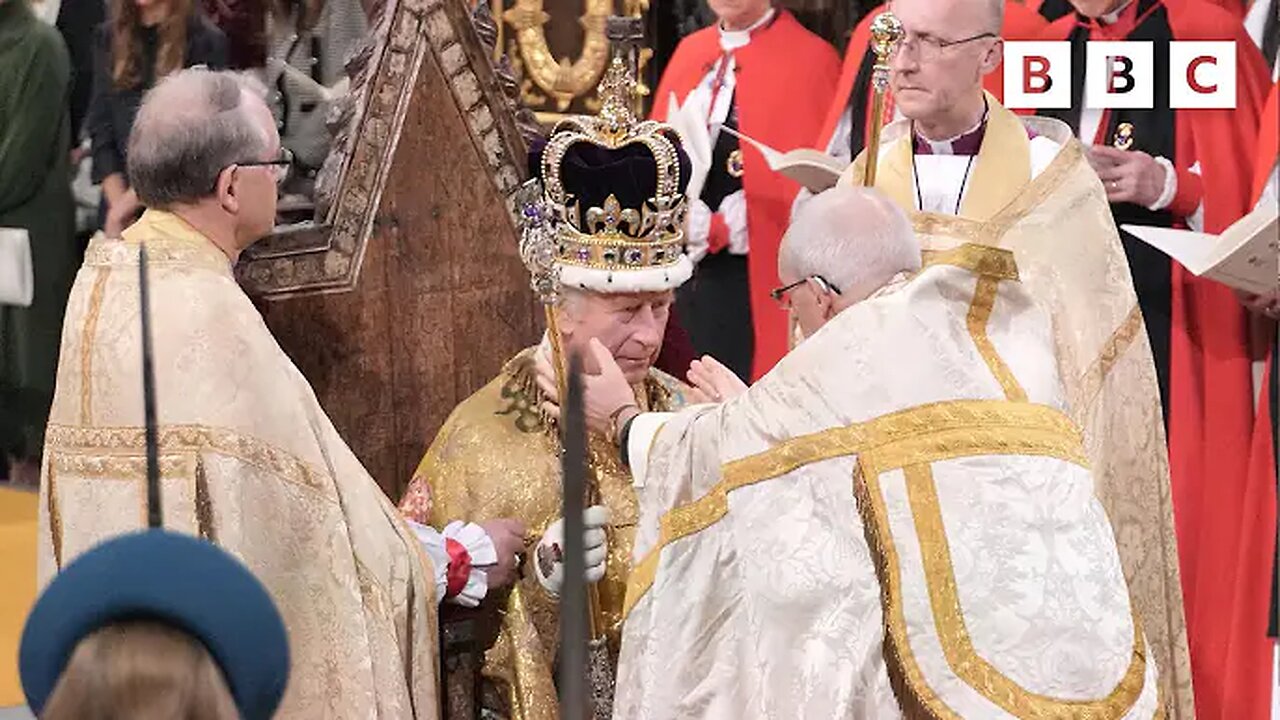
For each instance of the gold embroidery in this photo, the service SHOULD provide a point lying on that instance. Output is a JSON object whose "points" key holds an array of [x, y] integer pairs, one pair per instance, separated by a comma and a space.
{"points": [[957, 646], [900, 426], [1056, 440], [915, 696], [86, 344], [127, 468], [170, 241], [119, 452], [983, 260], [937, 430], [984, 300], [1003, 165], [1112, 350], [992, 230]]}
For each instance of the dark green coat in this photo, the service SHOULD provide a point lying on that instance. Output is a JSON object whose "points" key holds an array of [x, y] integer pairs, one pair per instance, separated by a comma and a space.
{"points": [[35, 194]]}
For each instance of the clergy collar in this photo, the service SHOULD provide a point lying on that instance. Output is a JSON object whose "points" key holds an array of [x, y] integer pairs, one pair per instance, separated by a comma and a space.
{"points": [[966, 143], [734, 39]]}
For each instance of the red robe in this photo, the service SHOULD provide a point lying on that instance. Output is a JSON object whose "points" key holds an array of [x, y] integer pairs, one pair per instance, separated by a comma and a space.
{"points": [[783, 85], [1256, 560], [1211, 413], [1021, 22]]}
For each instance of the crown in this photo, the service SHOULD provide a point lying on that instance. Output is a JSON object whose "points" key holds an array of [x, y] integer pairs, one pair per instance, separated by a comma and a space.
{"points": [[614, 188]]}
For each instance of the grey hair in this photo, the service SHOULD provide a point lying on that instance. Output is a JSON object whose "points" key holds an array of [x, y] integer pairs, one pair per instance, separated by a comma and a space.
{"points": [[191, 126], [854, 237]]}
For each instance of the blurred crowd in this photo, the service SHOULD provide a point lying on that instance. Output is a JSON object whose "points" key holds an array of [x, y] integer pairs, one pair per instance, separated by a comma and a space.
{"points": [[72, 75]]}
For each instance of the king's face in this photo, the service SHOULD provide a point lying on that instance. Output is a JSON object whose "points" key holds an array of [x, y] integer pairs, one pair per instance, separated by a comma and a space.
{"points": [[630, 325]]}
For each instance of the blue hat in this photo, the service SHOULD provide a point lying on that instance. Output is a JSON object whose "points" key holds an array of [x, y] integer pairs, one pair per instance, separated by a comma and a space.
{"points": [[175, 579]]}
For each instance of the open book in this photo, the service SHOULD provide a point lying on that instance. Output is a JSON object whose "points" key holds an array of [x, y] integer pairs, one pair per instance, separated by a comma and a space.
{"points": [[1245, 256], [813, 169]]}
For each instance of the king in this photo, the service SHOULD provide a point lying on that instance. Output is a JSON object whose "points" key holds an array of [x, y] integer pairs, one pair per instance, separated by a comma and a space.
{"points": [[613, 197]]}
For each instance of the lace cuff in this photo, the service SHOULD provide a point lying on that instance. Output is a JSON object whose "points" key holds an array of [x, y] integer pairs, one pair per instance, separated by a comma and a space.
{"points": [[469, 544]]}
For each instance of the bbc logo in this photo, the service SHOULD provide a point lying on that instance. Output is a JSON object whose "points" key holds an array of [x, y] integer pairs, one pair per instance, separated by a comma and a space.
{"points": [[1037, 75]]}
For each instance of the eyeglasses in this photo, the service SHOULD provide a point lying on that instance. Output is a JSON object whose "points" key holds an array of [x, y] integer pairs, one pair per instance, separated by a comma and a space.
{"points": [[928, 48], [779, 295], [280, 167]]}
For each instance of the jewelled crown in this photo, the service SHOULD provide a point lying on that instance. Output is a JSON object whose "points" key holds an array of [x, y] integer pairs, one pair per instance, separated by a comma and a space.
{"points": [[615, 189]]}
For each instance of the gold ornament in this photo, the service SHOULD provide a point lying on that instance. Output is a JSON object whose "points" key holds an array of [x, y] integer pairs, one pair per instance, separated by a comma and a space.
{"points": [[1124, 138]]}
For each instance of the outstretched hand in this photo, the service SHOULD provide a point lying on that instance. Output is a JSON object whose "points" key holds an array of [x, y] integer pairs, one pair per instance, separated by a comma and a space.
{"points": [[605, 393], [713, 382]]}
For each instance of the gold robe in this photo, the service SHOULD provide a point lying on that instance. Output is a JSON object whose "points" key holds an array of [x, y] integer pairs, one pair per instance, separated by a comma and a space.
{"points": [[248, 460], [495, 457], [1060, 229]]}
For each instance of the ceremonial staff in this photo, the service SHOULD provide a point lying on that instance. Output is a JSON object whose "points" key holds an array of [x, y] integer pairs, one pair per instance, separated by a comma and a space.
{"points": [[886, 33], [537, 250], [154, 517], [578, 644]]}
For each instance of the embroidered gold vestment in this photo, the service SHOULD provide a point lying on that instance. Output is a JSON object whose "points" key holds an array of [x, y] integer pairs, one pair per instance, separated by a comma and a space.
{"points": [[496, 457], [248, 460], [1059, 227]]}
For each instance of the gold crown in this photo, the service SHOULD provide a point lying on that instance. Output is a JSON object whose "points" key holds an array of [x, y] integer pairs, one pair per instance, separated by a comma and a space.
{"points": [[613, 237]]}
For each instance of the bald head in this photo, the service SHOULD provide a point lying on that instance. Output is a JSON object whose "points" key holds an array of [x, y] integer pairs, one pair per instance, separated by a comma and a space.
{"points": [[854, 237], [190, 127], [994, 12]]}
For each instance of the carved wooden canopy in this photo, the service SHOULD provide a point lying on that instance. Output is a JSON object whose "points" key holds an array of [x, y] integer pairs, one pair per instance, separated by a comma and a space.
{"points": [[325, 254]]}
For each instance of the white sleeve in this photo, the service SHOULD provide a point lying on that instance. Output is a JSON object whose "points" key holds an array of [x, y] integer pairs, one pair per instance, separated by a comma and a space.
{"points": [[1195, 220], [697, 228], [733, 208], [477, 544], [644, 428], [839, 145]]}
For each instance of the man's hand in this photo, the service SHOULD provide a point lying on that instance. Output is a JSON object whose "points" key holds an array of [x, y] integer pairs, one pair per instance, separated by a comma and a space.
{"points": [[1130, 176], [508, 540], [1267, 305], [549, 565], [121, 214], [713, 382], [604, 394]]}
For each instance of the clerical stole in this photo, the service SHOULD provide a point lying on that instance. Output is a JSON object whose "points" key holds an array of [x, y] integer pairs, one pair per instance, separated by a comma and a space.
{"points": [[1200, 336], [1102, 352], [918, 536], [248, 461], [780, 108]]}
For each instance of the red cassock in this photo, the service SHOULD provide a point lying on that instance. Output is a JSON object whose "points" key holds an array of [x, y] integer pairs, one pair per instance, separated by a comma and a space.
{"points": [[1224, 537], [1021, 22], [783, 85], [1256, 561]]}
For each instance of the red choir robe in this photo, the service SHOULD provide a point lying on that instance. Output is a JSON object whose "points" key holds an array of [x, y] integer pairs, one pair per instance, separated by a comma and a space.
{"points": [[1258, 552], [783, 85], [1022, 21], [1211, 415]]}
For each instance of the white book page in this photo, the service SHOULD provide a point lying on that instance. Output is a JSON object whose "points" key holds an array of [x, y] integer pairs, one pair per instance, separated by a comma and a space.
{"points": [[1245, 256]]}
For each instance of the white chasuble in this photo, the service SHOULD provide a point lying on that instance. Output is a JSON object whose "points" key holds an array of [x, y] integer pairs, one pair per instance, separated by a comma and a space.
{"points": [[1032, 191], [899, 520]]}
